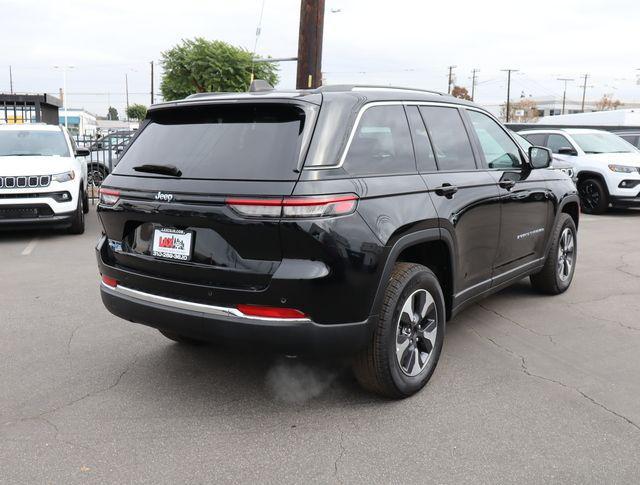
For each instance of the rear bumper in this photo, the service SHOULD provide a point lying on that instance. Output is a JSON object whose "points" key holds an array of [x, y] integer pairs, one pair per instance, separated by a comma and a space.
{"points": [[205, 322]]}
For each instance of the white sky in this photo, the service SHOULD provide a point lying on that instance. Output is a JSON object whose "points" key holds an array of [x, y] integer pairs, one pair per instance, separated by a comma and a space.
{"points": [[401, 42]]}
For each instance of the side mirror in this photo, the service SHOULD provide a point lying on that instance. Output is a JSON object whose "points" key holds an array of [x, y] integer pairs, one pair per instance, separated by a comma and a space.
{"points": [[567, 151], [540, 157], [83, 152]]}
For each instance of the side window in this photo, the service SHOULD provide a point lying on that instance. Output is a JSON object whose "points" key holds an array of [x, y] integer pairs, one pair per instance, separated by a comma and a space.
{"points": [[424, 152], [449, 136], [537, 139], [381, 144], [556, 142], [499, 150]]}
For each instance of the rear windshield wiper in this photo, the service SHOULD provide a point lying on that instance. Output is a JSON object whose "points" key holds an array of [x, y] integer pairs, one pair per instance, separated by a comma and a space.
{"points": [[161, 169]]}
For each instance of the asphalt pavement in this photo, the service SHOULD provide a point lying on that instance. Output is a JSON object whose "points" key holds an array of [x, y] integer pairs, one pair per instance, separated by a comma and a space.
{"points": [[529, 389]]}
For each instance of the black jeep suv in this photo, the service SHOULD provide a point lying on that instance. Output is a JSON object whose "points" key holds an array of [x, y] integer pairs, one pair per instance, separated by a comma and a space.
{"points": [[342, 219]]}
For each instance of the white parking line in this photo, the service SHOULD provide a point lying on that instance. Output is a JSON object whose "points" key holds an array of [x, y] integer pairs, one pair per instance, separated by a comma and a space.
{"points": [[30, 247]]}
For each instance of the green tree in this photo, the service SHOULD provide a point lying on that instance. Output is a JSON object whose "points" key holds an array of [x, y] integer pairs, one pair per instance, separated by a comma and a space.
{"points": [[112, 113], [200, 65], [136, 111]]}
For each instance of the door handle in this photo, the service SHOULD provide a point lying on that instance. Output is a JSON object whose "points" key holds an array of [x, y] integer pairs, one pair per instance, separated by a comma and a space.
{"points": [[507, 184], [446, 190]]}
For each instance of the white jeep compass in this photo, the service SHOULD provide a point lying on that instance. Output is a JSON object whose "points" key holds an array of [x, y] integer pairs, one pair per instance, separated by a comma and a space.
{"points": [[41, 181]]}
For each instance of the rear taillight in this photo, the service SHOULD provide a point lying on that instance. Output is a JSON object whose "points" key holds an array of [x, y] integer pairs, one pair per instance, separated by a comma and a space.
{"points": [[109, 196], [107, 280], [270, 312], [295, 207]]}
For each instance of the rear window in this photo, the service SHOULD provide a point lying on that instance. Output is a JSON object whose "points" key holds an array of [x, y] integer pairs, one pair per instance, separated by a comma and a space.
{"points": [[240, 141]]}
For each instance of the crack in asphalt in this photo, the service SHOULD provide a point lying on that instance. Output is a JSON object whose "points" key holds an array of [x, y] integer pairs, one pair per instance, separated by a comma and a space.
{"points": [[618, 322], [518, 324], [526, 371], [624, 265]]}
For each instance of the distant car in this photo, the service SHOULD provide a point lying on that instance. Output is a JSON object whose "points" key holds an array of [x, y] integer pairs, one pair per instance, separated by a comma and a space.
{"points": [[104, 155], [557, 164], [608, 167], [42, 182], [632, 137]]}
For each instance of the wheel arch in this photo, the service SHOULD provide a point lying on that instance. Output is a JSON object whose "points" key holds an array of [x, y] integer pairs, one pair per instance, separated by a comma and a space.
{"points": [[586, 174], [433, 248]]}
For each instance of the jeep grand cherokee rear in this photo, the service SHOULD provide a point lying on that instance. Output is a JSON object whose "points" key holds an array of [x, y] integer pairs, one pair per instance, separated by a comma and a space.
{"points": [[203, 239]]}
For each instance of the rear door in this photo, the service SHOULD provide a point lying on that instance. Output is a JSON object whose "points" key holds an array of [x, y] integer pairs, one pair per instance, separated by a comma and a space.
{"points": [[465, 197], [216, 154], [526, 201]]}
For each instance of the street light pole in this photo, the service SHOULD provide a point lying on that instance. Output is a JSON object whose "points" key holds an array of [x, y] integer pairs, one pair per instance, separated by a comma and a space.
{"points": [[564, 93], [126, 90], [508, 71], [64, 91]]}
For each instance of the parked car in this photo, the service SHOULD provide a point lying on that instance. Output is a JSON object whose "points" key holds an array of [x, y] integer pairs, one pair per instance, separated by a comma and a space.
{"points": [[557, 164], [104, 155], [41, 180], [630, 136], [608, 167], [350, 220]]}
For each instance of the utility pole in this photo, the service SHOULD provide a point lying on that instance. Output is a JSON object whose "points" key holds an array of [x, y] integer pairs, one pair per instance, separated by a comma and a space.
{"points": [[309, 73], [564, 93], [473, 83], [508, 71], [10, 80], [151, 82], [451, 68], [126, 90], [584, 91]]}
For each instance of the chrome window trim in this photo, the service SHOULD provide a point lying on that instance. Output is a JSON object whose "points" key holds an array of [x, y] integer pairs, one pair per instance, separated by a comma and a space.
{"points": [[372, 104], [193, 306]]}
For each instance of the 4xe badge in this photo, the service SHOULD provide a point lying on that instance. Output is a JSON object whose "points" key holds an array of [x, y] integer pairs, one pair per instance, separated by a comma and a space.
{"points": [[164, 197]]}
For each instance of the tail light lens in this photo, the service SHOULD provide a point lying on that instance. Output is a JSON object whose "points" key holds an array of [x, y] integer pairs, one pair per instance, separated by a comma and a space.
{"points": [[295, 207], [107, 280], [270, 312], [109, 196]]}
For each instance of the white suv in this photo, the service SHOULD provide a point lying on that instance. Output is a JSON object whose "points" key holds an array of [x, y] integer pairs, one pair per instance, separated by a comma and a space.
{"points": [[41, 181], [607, 167]]}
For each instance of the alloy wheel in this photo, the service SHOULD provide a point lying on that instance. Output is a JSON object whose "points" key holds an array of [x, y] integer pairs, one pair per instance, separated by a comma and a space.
{"points": [[416, 332], [566, 254], [589, 194]]}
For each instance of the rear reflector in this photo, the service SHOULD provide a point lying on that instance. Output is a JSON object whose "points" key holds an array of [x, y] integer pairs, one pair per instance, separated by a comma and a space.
{"points": [[109, 196], [295, 207], [107, 280], [270, 312]]}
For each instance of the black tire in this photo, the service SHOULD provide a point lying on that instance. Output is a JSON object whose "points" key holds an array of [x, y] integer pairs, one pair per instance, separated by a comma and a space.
{"points": [[551, 279], [77, 223], [181, 339], [594, 198], [85, 201], [378, 367]]}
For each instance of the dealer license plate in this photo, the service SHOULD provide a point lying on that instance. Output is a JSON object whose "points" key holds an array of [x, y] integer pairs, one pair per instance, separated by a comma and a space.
{"points": [[172, 244]]}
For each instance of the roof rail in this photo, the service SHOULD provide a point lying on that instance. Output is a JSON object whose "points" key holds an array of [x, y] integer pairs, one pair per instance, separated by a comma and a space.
{"points": [[365, 87]]}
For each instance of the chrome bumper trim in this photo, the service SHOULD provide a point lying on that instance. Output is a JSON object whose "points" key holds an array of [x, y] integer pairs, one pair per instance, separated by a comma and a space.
{"points": [[193, 306]]}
